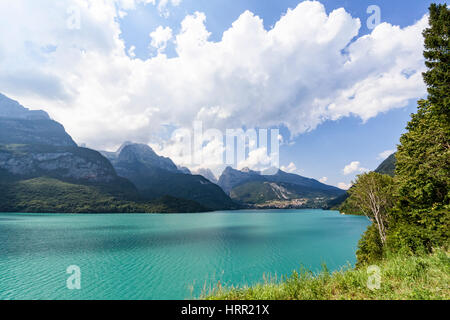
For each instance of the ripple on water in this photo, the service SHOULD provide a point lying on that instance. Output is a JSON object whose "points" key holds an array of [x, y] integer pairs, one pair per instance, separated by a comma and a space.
{"points": [[164, 256]]}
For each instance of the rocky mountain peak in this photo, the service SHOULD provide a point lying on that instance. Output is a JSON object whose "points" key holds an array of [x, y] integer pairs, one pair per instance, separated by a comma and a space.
{"points": [[11, 109], [19, 125], [142, 153], [250, 171], [207, 174]]}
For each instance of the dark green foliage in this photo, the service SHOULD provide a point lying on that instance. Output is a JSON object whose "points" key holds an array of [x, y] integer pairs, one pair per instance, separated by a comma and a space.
{"points": [[409, 239], [419, 230], [51, 195], [370, 248], [423, 161], [350, 206], [437, 55], [336, 203]]}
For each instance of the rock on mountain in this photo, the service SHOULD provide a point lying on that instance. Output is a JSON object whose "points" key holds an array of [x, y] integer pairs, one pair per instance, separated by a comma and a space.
{"points": [[156, 176], [55, 161], [43, 170], [19, 125], [13, 110], [231, 178], [32, 145], [281, 190], [295, 179], [207, 174], [184, 170], [141, 153]]}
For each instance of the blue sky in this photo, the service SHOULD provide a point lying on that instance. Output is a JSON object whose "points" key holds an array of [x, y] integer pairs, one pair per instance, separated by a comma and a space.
{"points": [[340, 93]]}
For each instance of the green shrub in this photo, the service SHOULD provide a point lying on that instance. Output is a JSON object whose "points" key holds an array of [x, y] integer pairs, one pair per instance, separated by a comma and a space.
{"points": [[370, 248]]}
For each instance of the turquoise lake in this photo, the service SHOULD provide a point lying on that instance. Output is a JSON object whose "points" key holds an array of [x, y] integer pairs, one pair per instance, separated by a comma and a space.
{"points": [[166, 256]]}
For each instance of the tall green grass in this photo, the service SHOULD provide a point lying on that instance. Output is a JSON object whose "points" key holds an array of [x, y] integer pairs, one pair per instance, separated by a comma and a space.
{"points": [[402, 277]]}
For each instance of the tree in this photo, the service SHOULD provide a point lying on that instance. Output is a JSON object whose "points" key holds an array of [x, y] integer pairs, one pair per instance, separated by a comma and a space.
{"points": [[423, 158], [421, 216], [423, 161], [370, 248], [373, 194], [437, 55]]}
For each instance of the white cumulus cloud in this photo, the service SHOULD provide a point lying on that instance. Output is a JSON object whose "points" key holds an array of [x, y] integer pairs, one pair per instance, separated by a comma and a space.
{"points": [[258, 159], [160, 37], [354, 166], [344, 186], [163, 6], [323, 179], [309, 68], [290, 168]]}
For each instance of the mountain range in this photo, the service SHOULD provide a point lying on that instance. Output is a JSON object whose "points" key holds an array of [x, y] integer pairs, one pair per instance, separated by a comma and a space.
{"points": [[156, 176], [206, 173], [43, 170], [280, 190], [18, 125]]}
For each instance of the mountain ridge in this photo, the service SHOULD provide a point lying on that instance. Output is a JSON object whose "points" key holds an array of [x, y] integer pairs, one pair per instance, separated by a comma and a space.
{"points": [[43, 170], [19, 125], [156, 176], [207, 174], [387, 166], [281, 190]]}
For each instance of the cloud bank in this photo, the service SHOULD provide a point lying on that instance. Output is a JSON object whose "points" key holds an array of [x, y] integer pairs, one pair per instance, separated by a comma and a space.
{"points": [[309, 68]]}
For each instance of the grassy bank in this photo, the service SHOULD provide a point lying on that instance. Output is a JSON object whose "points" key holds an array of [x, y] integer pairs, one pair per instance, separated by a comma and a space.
{"points": [[414, 277]]}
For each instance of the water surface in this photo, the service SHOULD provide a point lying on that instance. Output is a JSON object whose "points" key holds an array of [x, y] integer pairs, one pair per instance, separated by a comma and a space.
{"points": [[166, 256]]}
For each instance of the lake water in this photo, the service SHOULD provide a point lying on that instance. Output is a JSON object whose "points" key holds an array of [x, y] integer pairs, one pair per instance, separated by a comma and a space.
{"points": [[166, 256]]}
